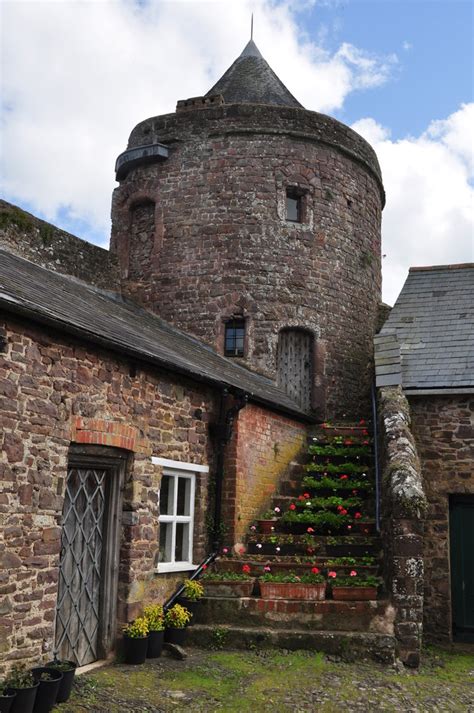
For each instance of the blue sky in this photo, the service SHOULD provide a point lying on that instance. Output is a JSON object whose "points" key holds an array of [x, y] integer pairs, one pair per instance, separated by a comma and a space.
{"points": [[435, 72], [78, 75]]}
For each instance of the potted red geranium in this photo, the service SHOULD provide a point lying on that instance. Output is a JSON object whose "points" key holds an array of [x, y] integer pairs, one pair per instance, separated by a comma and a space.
{"points": [[311, 587], [229, 584], [354, 587], [267, 521]]}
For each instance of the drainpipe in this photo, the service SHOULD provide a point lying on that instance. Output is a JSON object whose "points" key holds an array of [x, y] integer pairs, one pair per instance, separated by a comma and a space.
{"points": [[223, 434], [376, 456]]}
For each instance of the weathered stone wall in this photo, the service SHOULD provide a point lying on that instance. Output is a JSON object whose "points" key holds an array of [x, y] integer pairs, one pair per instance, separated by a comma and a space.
{"points": [[262, 448], [443, 427], [56, 391], [403, 512], [27, 236], [222, 245]]}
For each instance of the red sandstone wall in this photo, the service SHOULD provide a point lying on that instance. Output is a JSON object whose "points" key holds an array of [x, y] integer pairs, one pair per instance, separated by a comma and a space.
{"points": [[221, 244], [443, 427], [262, 447], [54, 391], [30, 237]]}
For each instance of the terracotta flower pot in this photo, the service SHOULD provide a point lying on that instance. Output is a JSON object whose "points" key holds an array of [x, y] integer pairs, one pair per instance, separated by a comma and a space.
{"points": [[230, 588], [354, 593], [266, 527], [293, 590], [366, 528]]}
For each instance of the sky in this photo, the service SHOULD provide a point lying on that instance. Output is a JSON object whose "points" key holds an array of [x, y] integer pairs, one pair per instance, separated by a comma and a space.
{"points": [[77, 76]]}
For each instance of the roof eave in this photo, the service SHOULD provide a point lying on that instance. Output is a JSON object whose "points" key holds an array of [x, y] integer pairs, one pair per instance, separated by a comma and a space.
{"points": [[124, 349]]}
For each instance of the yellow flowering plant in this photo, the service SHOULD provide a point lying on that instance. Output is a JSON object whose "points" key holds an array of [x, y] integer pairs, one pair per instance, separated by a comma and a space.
{"points": [[153, 613], [177, 617], [193, 590], [138, 629]]}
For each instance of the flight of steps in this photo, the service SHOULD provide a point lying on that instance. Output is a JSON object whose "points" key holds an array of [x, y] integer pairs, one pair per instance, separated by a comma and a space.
{"points": [[351, 629]]}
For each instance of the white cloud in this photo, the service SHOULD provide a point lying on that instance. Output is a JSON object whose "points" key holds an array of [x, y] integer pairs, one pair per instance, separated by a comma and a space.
{"points": [[429, 216], [78, 75]]}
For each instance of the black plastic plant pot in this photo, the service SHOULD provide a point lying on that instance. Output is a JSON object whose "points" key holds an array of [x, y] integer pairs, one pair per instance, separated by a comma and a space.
{"points": [[175, 636], [65, 687], [48, 690], [24, 700], [135, 650], [6, 700], [155, 644], [191, 605]]}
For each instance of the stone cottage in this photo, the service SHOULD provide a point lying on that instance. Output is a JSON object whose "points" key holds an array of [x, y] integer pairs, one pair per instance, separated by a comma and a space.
{"points": [[156, 395], [426, 350]]}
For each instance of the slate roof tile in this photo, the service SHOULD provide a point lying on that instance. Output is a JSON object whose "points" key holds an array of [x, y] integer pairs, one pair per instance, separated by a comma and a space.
{"points": [[105, 318], [433, 320]]}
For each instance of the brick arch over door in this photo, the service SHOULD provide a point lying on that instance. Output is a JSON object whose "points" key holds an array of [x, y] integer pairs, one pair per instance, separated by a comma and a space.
{"points": [[295, 364]]}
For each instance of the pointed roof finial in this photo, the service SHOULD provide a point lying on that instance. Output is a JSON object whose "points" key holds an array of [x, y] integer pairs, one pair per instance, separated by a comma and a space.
{"points": [[250, 80]]}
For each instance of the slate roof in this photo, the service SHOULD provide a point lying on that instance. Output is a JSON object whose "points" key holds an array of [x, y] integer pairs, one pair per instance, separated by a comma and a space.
{"points": [[427, 342], [251, 80], [106, 319]]}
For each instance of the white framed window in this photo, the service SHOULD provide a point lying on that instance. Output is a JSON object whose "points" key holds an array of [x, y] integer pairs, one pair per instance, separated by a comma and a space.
{"points": [[177, 495]]}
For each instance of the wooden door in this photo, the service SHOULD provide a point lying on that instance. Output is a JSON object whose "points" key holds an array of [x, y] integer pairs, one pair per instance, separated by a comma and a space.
{"points": [[294, 365], [462, 566], [88, 568]]}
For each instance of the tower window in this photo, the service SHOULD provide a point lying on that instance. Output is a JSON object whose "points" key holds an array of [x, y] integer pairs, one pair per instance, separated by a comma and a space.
{"points": [[234, 338], [294, 205]]}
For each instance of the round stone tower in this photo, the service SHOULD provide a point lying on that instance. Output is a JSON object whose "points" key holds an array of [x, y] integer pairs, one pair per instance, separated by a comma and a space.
{"points": [[254, 224]]}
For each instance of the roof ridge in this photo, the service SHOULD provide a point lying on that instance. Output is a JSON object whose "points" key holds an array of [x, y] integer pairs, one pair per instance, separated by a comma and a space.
{"points": [[452, 266]]}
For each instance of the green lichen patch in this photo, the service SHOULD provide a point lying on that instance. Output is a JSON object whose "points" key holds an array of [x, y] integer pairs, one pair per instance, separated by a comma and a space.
{"points": [[276, 681]]}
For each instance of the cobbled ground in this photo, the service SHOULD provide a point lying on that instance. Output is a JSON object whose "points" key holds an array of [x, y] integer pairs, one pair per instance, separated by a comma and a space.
{"points": [[277, 681]]}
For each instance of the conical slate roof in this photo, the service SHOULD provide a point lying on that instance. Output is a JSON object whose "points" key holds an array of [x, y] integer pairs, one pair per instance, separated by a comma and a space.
{"points": [[251, 80]]}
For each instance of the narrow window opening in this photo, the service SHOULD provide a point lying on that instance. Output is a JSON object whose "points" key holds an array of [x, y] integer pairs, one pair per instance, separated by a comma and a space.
{"points": [[234, 338], [294, 205]]}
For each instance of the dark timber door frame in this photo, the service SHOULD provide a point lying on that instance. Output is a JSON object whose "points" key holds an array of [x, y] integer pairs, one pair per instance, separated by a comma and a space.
{"points": [[461, 530], [89, 563]]}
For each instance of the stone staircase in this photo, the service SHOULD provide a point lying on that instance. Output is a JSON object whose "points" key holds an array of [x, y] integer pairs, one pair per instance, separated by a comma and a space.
{"points": [[326, 520]]}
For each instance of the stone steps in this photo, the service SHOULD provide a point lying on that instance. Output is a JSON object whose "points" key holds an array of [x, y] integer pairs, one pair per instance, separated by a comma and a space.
{"points": [[328, 615], [348, 645], [350, 628]]}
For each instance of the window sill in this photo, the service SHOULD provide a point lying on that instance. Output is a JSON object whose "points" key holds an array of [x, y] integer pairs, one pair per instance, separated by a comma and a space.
{"points": [[164, 567]]}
